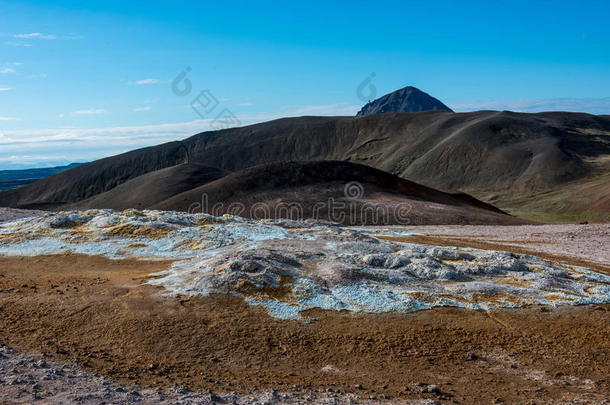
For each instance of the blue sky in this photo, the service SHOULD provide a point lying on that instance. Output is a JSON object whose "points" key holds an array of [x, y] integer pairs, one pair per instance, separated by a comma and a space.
{"points": [[83, 80]]}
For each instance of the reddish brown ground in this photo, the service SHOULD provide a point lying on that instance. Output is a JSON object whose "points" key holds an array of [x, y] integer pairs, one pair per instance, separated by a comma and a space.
{"points": [[96, 311], [507, 246], [587, 242]]}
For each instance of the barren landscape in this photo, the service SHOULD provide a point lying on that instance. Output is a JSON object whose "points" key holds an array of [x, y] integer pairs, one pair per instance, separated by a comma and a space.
{"points": [[326, 203], [151, 277], [124, 324]]}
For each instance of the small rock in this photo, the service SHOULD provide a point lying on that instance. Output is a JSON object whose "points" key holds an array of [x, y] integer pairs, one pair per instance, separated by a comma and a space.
{"points": [[471, 356], [180, 390], [41, 364]]}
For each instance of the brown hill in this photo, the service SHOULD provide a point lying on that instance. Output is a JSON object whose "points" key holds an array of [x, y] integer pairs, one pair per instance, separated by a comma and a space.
{"points": [[151, 188], [498, 157], [344, 192], [95, 177]]}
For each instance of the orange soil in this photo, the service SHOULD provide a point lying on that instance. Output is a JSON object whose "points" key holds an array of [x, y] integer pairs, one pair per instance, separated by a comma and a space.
{"points": [[96, 311]]}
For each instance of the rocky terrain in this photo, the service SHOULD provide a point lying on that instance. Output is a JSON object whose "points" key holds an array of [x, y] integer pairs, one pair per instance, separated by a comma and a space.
{"points": [[167, 307], [30, 378], [290, 266], [207, 271]]}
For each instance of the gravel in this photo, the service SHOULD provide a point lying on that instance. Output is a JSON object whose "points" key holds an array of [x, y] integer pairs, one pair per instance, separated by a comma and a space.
{"points": [[30, 379]]}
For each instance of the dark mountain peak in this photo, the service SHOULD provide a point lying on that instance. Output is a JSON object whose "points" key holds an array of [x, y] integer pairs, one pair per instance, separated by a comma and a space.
{"points": [[407, 99]]}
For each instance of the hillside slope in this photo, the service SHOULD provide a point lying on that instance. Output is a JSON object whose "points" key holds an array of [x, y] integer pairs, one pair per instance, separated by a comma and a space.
{"points": [[492, 155], [345, 192], [94, 177], [153, 187]]}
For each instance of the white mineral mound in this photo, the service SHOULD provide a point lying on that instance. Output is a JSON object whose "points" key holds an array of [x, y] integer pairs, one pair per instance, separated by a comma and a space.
{"points": [[290, 266]]}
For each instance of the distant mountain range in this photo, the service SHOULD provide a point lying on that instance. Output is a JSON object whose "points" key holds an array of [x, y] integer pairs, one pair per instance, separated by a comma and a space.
{"points": [[10, 179]]}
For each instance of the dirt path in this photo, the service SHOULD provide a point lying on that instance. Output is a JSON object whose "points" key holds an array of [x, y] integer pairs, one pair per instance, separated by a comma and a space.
{"points": [[96, 312]]}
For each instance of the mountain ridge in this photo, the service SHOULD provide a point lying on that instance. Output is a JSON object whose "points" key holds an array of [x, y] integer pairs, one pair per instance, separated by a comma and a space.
{"points": [[496, 156]]}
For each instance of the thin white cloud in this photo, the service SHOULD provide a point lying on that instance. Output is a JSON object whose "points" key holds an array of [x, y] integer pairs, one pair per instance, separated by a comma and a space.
{"points": [[144, 81], [587, 105], [16, 158], [6, 88], [35, 35], [90, 112], [39, 76], [140, 109], [25, 44], [8, 119], [245, 104], [7, 70], [323, 109]]}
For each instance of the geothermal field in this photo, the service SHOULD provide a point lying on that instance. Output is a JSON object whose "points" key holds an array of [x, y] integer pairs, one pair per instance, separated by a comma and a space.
{"points": [[166, 307], [257, 203]]}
